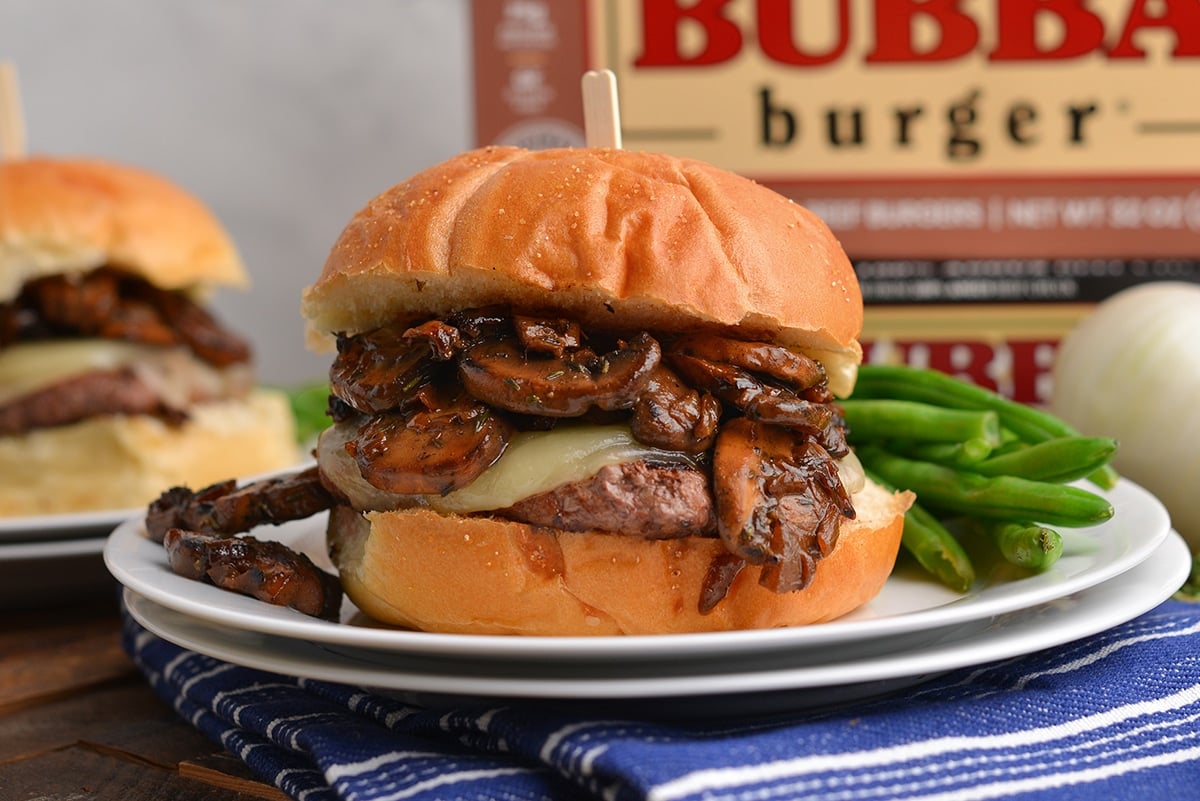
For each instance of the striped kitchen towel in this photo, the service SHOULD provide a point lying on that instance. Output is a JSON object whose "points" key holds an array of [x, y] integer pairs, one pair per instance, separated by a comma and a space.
{"points": [[1112, 716]]}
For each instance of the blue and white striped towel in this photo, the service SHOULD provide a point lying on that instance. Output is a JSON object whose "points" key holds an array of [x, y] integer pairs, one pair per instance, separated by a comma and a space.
{"points": [[1113, 716]]}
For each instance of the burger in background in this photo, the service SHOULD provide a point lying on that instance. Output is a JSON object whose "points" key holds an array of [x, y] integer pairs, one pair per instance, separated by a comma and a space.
{"points": [[115, 382]]}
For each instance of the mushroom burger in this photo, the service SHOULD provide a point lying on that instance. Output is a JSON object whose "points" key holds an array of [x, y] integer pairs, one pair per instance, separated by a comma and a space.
{"points": [[115, 380], [585, 391]]}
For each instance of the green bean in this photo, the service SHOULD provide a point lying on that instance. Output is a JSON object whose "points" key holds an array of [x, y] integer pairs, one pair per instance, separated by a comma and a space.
{"points": [[1009, 442], [951, 454], [1057, 460], [933, 546], [938, 388], [996, 497], [890, 419], [1027, 545], [934, 387]]}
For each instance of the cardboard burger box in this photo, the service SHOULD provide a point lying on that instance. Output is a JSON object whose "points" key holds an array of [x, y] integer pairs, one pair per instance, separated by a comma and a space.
{"points": [[994, 169]]}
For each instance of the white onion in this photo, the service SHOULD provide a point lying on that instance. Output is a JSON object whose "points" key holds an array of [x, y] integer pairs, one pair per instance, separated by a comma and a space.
{"points": [[1131, 370]]}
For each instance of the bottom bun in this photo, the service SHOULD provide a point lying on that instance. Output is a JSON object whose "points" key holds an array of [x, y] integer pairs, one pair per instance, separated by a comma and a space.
{"points": [[422, 570], [121, 462]]}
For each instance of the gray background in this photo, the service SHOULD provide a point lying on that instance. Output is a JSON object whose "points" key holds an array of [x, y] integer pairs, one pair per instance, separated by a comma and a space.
{"points": [[284, 116]]}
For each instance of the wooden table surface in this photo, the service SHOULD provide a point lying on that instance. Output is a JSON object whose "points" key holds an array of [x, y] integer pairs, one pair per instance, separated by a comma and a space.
{"points": [[79, 721]]}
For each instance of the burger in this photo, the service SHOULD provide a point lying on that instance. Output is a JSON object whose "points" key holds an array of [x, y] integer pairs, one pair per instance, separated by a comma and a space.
{"points": [[115, 381], [591, 391]]}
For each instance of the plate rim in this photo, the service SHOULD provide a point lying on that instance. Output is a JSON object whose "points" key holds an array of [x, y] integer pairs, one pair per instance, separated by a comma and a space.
{"points": [[289, 623], [90, 522], [1014, 634], [66, 525], [51, 549]]}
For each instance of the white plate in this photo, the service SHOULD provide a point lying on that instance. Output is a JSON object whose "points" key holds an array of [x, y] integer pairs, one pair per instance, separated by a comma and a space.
{"points": [[98, 523], [743, 684], [910, 601], [76, 525], [58, 549], [38, 574]]}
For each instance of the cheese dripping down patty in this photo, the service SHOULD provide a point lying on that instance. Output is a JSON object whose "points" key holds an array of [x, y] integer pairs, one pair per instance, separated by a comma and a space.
{"points": [[533, 463]]}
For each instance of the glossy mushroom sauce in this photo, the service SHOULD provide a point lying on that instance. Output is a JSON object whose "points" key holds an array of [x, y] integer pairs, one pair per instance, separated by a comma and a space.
{"points": [[531, 418]]}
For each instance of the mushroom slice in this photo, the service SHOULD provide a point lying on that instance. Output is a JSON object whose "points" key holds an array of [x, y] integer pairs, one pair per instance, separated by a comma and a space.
{"points": [[198, 329], [487, 322], [812, 502], [502, 375], [794, 369], [554, 337], [671, 415], [380, 370], [779, 501], [431, 451], [263, 569], [444, 340], [450, 337], [755, 399], [745, 511], [723, 570], [227, 509]]}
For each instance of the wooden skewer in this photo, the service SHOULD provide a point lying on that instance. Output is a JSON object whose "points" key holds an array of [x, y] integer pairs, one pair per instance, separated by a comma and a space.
{"points": [[601, 117], [12, 120]]}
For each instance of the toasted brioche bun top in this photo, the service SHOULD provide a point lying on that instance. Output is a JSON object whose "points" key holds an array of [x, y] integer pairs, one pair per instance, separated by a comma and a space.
{"points": [[74, 215], [639, 240]]}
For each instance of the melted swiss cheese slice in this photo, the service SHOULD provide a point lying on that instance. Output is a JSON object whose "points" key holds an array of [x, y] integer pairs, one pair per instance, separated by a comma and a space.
{"points": [[537, 462]]}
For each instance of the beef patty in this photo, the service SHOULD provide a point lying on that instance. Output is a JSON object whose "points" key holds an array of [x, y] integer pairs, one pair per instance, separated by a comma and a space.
{"points": [[637, 498], [100, 392]]}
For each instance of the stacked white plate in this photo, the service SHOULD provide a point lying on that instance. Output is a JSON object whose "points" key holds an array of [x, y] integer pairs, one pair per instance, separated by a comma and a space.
{"points": [[913, 630], [53, 559]]}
